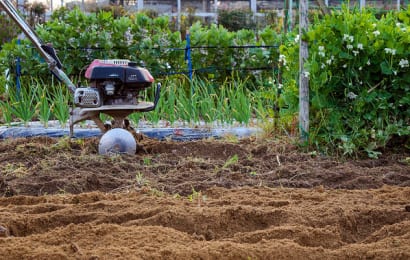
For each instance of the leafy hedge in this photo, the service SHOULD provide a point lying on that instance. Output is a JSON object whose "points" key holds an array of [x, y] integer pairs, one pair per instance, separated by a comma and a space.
{"points": [[359, 79], [80, 38]]}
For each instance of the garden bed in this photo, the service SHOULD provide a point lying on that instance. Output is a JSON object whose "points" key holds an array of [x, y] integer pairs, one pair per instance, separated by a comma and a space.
{"points": [[210, 198]]}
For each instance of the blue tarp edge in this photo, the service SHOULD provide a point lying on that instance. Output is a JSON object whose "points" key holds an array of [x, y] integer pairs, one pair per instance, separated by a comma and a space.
{"points": [[156, 133]]}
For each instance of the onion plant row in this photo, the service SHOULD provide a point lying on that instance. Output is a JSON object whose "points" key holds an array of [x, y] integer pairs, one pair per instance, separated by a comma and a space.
{"points": [[182, 100]]}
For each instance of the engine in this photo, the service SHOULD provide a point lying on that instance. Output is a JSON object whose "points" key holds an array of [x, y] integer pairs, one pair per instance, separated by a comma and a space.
{"points": [[112, 82]]}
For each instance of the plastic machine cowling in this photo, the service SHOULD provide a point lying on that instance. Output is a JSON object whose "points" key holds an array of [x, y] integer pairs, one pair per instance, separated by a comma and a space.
{"points": [[123, 70]]}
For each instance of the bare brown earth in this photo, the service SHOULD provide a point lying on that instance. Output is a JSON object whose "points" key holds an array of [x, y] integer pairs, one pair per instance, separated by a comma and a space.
{"points": [[208, 199]]}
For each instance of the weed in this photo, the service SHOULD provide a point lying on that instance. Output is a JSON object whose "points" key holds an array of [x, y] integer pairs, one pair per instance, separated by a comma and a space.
{"points": [[232, 160], [147, 161], [197, 196], [140, 180], [155, 192], [63, 144], [253, 173], [18, 170]]}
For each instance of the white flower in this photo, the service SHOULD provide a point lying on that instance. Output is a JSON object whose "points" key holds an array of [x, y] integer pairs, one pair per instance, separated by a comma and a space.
{"points": [[404, 63], [322, 66], [373, 134], [321, 48], [361, 82], [280, 86], [321, 53], [329, 61], [391, 51], [128, 36], [376, 33], [395, 72], [355, 53], [282, 59], [368, 62], [360, 46], [398, 24], [297, 38], [351, 95], [306, 74], [349, 46], [360, 68], [344, 65], [347, 37]]}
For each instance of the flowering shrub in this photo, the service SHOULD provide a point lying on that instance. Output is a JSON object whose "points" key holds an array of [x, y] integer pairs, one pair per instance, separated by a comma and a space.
{"points": [[359, 79]]}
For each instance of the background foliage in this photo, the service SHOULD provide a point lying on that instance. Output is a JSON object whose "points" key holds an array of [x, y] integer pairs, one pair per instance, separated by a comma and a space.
{"points": [[359, 79]]}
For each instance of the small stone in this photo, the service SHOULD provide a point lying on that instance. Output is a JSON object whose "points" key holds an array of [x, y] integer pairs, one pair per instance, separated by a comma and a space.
{"points": [[4, 232]]}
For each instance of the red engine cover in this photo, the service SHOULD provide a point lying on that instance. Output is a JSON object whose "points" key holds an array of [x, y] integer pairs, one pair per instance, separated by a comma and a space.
{"points": [[117, 69]]}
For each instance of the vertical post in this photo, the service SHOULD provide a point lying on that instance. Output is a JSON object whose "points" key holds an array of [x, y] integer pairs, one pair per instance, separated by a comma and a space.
{"points": [[398, 5], [285, 14], [290, 14], [18, 73], [188, 55], [216, 10], [253, 9], [303, 75], [140, 5], [179, 14], [253, 6], [362, 4]]}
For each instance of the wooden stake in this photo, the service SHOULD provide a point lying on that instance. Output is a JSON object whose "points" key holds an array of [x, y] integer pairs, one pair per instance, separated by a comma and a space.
{"points": [[304, 75]]}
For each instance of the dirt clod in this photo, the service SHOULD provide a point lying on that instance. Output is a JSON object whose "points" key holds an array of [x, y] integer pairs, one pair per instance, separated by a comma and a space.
{"points": [[4, 232]]}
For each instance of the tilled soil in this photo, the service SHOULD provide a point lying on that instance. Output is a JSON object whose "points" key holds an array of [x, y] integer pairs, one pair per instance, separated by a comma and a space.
{"points": [[208, 199]]}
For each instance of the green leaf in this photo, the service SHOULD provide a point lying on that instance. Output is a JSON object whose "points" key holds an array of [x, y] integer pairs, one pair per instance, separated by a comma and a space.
{"points": [[386, 69]]}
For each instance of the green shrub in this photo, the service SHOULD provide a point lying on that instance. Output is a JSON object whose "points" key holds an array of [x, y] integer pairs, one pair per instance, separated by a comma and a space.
{"points": [[359, 79], [80, 38]]}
